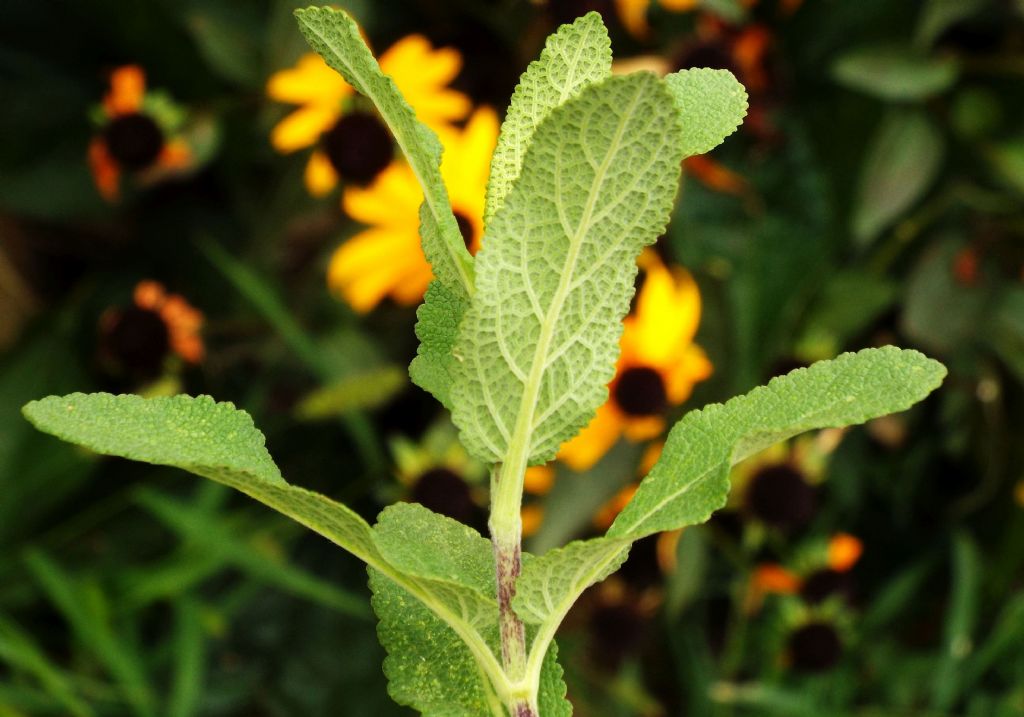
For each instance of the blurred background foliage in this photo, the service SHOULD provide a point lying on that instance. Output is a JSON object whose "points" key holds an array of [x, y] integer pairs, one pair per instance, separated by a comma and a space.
{"points": [[873, 196]]}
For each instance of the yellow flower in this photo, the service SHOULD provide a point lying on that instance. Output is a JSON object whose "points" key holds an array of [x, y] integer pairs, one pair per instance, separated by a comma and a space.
{"points": [[658, 365], [386, 259], [352, 143]]}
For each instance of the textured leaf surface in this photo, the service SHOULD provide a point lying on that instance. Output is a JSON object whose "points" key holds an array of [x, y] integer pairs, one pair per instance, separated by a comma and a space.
{"points": [[577, 55], [428, 667], [555, 275], [550, 583], [451, 560], [211, 439], [712, 104], [690, 480], [551, 700], [437, 326], [335, 36]]}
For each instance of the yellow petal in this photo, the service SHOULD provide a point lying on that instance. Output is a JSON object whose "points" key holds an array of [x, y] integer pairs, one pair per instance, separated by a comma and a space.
{"points": [[691, 367], [391, 200], [466, 162], [679, 5], [644, 428], [539, 479], [311, 81], [303, 127], [320, 175], [422, 75], [594, 441]]}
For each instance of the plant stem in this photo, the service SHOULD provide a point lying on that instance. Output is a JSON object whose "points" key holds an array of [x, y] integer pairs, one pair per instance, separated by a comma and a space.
{"points": [[506, 538]]}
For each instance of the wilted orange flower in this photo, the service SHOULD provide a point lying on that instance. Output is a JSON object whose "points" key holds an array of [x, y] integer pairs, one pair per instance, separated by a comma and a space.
{"points": [[352, 143], [658, 365], [134, 136], [386, 258], [182, 320]]}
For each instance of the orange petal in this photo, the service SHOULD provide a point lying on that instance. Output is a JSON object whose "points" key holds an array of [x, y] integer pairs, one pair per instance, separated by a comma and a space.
{"points": [[606, 514], [149, 295], [633, 16], [127, 88], [532, 517], [773, 578], [844, 550], [714, 175], [105, 172], [539, 479]]}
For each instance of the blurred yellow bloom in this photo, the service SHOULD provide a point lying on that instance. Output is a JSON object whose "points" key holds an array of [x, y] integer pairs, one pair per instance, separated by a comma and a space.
{"points": [[658, 365], [633, 13], [361, 149], [386, 259]]}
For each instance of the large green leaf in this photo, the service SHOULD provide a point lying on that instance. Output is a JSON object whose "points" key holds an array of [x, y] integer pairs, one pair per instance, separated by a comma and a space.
{"points": [[554, 278], [577, 55], [712, 104], [428, 667], [450, 560], [691, 479]]}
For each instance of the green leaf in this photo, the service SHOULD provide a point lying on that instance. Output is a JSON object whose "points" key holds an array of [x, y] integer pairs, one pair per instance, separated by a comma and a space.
{"points": [[554, 278], [895, 73], [550, 583], [450, 560], [207, 438], [186, 696], [577, 55], [428, 667], [712, 104], [551, 700], [902, 163], [437, 326], [691, 479], [336, 37]]}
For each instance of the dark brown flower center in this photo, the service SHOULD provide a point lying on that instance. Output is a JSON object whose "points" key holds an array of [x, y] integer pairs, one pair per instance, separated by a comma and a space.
{"points": [[815, 647], [359, 147], [640, 391], [465, 228], [710, 53], [133, 140], [779, 495], [443, 491], [137, 340]]}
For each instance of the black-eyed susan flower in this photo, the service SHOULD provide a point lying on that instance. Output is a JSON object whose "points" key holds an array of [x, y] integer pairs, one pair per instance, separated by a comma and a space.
{"points": [[437, 473], [658, 366], [386, 259], [139, 132], [139, 339], [350, 142]]}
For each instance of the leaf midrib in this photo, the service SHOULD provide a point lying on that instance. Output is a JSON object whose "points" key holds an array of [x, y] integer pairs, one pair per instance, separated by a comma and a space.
{"points": [[520, 442]]}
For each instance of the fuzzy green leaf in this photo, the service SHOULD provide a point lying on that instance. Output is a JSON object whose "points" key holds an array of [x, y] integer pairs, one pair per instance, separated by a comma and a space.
{"points": [[550, 583], [210, 439], [575, 56], [451, 560], [554, 278], [691, 479], [712, 104], [428, 667], [437, 326], [335, 36]]}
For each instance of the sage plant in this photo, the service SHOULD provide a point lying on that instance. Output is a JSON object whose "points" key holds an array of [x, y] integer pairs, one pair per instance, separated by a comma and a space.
{"points": [[519, 343]]}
